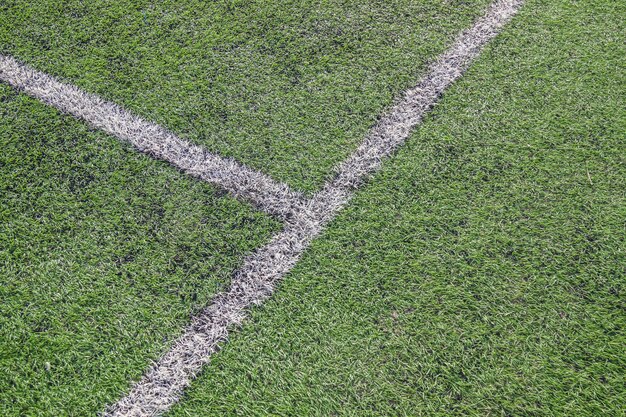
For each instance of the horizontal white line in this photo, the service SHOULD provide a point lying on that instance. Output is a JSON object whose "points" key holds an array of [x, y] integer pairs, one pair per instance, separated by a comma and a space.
{"points": [[241, 181], [165, 382]]}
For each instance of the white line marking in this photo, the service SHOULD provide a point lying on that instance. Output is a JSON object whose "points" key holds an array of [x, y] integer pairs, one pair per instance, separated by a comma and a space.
{"points": [[164, 383], [241, 181]]}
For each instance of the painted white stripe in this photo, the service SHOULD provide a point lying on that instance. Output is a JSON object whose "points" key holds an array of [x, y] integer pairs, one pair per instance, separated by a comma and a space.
{"points": [[164, 383], [394, 127], [239, 180]]}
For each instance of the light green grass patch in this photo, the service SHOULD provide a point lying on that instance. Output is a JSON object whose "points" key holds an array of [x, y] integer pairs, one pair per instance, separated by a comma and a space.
{"points": [[288, 87], [104, 255], [483, 271]]}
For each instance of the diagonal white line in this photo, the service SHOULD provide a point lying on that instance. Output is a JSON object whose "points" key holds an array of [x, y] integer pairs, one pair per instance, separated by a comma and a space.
{"points": [[165, 381], [394, 127], [241, 181]]}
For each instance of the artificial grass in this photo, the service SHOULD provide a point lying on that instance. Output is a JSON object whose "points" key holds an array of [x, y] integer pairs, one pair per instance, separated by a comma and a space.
{"points": [[483, 271], [288, 87], [104, 255]]}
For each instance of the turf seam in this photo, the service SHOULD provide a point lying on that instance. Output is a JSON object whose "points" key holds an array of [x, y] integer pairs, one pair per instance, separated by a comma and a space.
{"points": [[164, 383], [241, 181]]}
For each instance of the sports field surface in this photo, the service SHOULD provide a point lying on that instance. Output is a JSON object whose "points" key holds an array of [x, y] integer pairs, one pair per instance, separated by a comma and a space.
{"points": [[312, 208]]}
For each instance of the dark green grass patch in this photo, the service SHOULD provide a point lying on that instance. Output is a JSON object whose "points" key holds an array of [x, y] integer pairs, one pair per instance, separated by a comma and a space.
{"points": [[104, 255], [483, 271], [289, 87]]}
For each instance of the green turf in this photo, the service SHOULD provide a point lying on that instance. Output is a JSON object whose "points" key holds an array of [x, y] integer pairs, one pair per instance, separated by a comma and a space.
{"points": [[104, 254], [483, 271], [288, 87]]}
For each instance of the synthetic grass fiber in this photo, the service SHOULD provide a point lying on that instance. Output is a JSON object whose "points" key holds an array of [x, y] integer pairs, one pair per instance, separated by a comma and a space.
{"points": [[164, 382], [289, 88], [104, 255], [482, 272]]}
